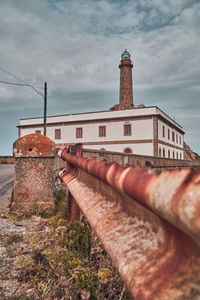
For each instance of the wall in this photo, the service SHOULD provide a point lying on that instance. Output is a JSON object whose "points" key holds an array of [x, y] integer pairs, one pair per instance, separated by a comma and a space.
{"points": [[171, 149], [140, 141], [143, 139], [165, 138], [6, 160], [145, 148], [102, 115], [166, 142], [34, 173], [159, 164]]}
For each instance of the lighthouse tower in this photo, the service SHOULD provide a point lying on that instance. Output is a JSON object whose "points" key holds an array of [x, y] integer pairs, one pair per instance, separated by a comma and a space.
{"points": [[126, 87]]}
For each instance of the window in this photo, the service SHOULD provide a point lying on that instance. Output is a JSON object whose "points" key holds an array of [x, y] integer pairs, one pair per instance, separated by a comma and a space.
{"points": [[127, 150], [180, 156], [38, 131], [127, 129], [180, 140], [159, 152], [177, 138], [163, 131], [163, 152], [168, 134], [177, 155], [57, 134], [168, 153], [173, 136], [173, 154], [79, 133], [102, 131]]}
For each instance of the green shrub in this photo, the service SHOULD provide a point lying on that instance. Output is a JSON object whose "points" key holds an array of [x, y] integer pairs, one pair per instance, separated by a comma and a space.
{"points": [[77, 238], [85, 279], [61, 204]]}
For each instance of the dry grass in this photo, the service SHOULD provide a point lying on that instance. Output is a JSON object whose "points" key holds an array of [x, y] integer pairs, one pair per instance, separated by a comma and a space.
{"points": [[66, 261]]}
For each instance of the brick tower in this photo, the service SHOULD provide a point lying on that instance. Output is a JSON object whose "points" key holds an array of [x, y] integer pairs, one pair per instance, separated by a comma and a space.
{"points": [[126, 88]]}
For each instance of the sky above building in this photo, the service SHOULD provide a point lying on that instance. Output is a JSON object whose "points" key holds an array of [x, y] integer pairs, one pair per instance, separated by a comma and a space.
{"points": [[76, 45]]}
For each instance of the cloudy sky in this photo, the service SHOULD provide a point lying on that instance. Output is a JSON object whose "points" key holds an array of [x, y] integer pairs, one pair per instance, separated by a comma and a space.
{"points": [[75, 45]]}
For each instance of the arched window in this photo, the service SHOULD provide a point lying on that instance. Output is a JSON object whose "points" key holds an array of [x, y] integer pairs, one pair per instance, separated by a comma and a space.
{"points": [[159, 152], [163, 152], [127, 150], [180, 156], [177, 155], [102, 149], [173, 154], [168, 153]]}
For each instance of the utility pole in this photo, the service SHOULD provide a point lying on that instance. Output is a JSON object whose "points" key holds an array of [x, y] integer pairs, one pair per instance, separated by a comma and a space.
{"points": [[45, 108]]}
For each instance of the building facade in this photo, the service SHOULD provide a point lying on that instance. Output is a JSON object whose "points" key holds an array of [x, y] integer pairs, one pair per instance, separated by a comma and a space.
{"points": [[124, 128]]}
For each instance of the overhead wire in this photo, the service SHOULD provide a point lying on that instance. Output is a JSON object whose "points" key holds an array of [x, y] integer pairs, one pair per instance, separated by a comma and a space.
{"points": [[25, 83], [13, 83]]}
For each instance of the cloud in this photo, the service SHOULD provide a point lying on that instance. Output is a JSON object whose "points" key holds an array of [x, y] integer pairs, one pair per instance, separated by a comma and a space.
{"points": [[76, 45]]}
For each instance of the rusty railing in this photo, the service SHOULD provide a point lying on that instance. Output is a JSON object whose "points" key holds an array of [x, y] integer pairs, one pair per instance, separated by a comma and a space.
{"points": [[149, 224]]}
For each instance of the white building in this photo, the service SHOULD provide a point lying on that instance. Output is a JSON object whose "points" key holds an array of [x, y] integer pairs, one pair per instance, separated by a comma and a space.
{"points": [[124, 128]]}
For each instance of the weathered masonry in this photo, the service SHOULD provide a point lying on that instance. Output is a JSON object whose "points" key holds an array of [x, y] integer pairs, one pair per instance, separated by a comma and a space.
{"points": [[34, 173], [126, 127], [6, 159]]}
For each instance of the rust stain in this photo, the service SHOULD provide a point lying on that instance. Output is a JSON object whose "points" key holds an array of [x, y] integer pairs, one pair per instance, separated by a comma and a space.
{"points": [[33, 145], [22, 192], [159, 193], [126, 207]]}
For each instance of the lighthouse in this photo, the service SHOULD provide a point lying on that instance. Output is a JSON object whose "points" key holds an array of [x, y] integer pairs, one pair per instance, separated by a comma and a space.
{"points": [[126, 85]]}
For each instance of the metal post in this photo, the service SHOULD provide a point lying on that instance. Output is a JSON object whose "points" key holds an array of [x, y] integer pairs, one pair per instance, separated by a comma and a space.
{"points": [[45, 108]]}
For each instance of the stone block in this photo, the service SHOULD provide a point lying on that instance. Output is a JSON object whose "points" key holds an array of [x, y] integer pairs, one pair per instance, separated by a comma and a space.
{"points": [[34, 173]]}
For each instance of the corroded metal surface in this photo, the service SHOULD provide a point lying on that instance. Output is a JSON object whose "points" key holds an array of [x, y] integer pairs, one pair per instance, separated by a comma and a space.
{"points": [[74, 210], [155, 259], [173, 195]]}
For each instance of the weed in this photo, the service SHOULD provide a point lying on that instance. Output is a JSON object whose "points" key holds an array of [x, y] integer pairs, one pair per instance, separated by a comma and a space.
{"points": [[68, 263], [11, 199], [61, 204], [85, 279], [24, 297], [10, 239], [104, 273], [23, 263], [77, 238]]}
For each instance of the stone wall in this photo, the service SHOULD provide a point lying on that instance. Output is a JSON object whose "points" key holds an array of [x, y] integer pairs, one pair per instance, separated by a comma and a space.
{"points": [[140, 160], [6, 160], [34, 173], [159, 164]]}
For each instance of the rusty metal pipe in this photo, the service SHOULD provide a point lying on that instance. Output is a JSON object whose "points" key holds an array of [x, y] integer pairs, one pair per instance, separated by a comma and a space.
{"points": [[156, 260], [173, 195]]}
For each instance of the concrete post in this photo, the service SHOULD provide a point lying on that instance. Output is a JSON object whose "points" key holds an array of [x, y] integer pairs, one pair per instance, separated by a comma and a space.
{"points": [[34, 173]]}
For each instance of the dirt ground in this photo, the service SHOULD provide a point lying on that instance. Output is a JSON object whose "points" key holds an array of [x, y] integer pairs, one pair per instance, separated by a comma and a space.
{"points": [[49, 259]]}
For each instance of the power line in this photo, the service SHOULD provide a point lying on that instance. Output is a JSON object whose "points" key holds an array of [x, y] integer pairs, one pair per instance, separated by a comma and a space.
{"points": [[13, 83], [44, 96], [26, 84]]}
